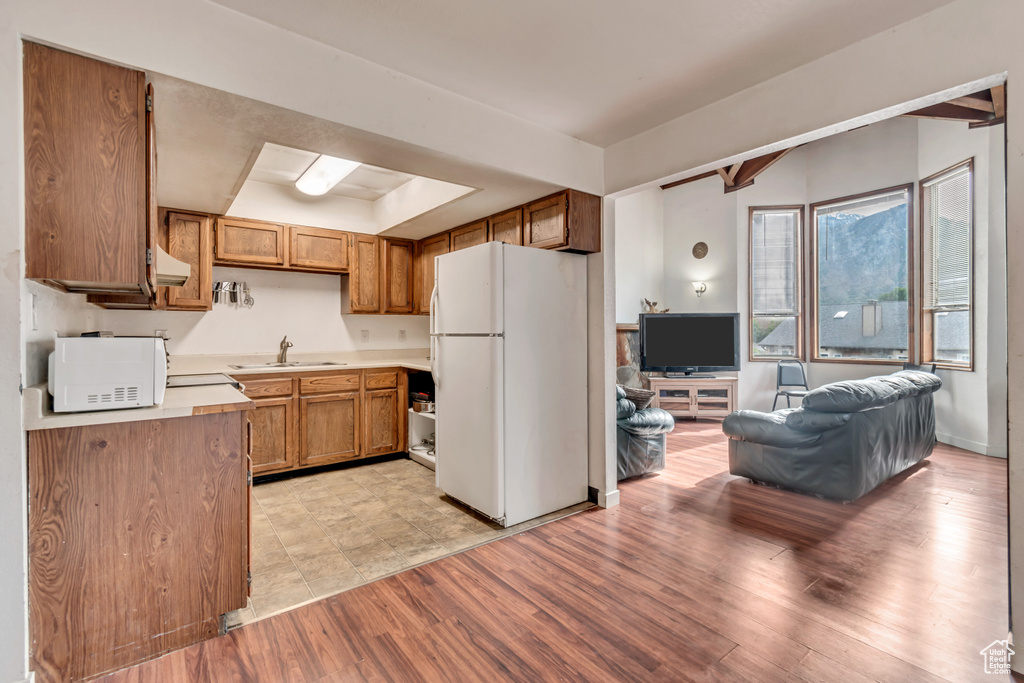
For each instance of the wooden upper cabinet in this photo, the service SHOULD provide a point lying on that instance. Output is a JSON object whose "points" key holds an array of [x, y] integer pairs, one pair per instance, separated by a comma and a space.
{"points": [[507, 227], [86, 222], [396, 274], [423, 270], [469, 235], [253, 243], [189, 238], [364, 275], [569, 220], [547, 222], [318, 249]]}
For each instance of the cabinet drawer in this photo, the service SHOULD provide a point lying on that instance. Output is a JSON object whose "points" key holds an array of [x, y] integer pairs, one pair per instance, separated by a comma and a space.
{"points": [[266, 388], [327, 384], [381, 379]]}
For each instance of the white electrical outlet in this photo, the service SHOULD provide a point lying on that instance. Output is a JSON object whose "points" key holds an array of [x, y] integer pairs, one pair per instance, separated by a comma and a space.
{"points": [[365, 336], [401, 335]]}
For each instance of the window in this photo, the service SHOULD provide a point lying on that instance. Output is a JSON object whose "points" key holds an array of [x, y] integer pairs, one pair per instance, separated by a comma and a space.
{"points": [[776, 324], [946, 225], [862, 285]]}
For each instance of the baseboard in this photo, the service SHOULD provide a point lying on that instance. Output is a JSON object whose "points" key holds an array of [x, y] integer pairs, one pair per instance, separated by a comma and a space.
{"points": [[609, 499], [968, 445]]}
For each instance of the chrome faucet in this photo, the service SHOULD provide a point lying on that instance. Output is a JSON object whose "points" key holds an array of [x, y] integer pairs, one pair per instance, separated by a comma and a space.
{"points": [[285, 345]]}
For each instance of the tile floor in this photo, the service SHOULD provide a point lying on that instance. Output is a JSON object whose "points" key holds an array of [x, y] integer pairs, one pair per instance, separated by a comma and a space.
{"points": [[320, 534]]}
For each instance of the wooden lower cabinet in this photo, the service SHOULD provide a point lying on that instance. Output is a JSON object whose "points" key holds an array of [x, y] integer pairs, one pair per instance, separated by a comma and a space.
{"points": [[306, 419], [273, 432], [381, 423], [329, 429], [138, 540]]}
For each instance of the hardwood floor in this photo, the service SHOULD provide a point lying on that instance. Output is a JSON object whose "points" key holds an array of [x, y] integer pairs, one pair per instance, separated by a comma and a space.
{"points": [[696, 576]]}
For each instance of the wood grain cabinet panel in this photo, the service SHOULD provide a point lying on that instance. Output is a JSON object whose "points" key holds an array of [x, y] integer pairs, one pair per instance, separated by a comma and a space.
{"points": [[507, 227], [329, 428], [137, 540], [364, 275], [255, 387], [397, 276], [380, 379], [273, 427], [329, 384], [469, 235], [547, 225], [86, 222], [318, 249], [423, 270], [254, 243], [190, 239], [380, 414]]}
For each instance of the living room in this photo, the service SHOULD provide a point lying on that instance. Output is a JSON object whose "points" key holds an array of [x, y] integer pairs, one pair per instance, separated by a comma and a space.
{"points": [[656, 263]]}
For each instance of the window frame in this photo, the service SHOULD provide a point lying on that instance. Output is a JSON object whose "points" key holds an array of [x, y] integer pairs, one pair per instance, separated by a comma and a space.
{"points": [[801, 252], [924, 315], [815, 347]]}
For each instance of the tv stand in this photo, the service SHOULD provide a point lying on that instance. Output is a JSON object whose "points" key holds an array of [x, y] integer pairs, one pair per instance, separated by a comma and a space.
{"points": [[692, 396]]}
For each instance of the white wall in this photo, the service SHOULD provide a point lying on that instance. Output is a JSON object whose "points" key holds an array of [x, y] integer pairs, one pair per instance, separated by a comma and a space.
{"points": [[970, 411], [304, 306], [687, 222], [639, 254]]}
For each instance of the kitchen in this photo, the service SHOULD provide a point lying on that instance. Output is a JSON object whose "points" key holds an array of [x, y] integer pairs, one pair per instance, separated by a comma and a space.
{"points": [[318, 312]]}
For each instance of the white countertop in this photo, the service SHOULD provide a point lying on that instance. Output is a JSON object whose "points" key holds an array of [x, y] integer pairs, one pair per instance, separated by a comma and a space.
{"points": [[186, 401], [178, 402], [412, 359]]}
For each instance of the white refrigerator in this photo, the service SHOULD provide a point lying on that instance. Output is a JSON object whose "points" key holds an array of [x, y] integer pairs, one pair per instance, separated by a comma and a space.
{"points": [[509, 357]]}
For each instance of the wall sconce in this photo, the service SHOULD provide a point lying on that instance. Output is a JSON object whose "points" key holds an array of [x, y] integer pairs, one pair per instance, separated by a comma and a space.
{"points": [[699, 288]]}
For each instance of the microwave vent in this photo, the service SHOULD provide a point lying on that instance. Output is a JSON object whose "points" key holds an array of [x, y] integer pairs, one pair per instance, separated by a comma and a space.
{"points": [[119, 395]]}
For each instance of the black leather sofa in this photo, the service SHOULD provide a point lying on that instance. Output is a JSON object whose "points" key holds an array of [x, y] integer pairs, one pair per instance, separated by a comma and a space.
{"points": [[640, 437], [844, 440]]}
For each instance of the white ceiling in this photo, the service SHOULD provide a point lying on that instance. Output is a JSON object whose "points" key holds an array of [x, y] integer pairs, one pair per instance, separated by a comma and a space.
{"points": [[280, 165], [208, 142], [598, 70]]}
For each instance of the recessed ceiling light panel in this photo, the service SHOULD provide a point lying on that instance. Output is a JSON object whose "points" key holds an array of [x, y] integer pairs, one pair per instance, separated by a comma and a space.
{"points": [[323, 174]]}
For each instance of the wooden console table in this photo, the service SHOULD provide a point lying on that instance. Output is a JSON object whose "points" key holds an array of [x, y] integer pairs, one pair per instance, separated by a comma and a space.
{"points": [[693, 396]]}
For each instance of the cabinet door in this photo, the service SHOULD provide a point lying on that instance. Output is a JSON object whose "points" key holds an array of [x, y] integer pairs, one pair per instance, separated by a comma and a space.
{"points": [[507, 227], [86, 225], [545, 222], [364, 275], [273, 434], [381, 420], [250, 242], [318, 249], [429, 249], [189, 239], [469, 235], [397, 274], [329, 428]]}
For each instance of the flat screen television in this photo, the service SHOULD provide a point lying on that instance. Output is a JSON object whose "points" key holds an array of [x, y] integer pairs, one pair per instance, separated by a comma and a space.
{"points": [[689, 342]]}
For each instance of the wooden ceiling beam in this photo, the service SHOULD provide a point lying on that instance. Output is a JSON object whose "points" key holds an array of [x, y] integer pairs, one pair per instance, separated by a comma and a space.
{"points": [[677, 183], [999, 101], [949, 112], [755, 167], [974, 102]]}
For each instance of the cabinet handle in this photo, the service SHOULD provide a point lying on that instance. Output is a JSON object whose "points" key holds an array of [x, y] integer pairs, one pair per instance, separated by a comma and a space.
{"points": [[248, 438]]}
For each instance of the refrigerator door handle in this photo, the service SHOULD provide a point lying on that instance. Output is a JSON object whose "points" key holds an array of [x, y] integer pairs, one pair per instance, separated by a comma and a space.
{"points": [[433, 344]]}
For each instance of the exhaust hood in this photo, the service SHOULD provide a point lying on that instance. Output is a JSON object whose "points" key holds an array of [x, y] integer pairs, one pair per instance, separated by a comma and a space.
{"points": [[170, 272]]}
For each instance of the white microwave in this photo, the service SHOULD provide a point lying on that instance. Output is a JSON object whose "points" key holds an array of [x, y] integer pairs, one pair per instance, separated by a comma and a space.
{"points": [[105, 373]]}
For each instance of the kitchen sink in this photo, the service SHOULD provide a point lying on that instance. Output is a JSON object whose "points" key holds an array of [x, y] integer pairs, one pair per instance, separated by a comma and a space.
{"points": [[296, 364]]}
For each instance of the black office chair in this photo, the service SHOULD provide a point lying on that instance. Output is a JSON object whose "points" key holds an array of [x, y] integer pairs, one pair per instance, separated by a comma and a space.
{"points": [[790, 373], [920, 368]]}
